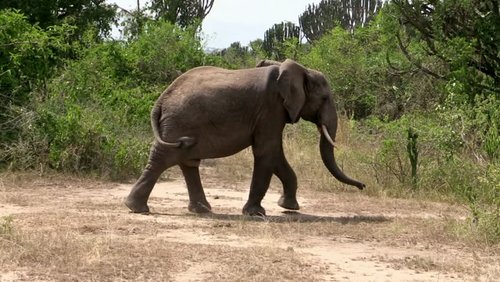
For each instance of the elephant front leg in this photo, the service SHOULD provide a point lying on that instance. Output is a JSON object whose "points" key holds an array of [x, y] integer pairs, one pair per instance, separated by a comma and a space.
{"points": [[289, 180], [197, 200], [262, 173]]}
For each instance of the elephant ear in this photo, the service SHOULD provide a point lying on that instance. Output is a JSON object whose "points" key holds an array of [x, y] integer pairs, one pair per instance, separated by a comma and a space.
{"points": [[291, 84]]}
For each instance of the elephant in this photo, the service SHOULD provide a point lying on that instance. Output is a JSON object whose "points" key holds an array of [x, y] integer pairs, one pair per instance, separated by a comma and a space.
{"points": [[211, 112]]}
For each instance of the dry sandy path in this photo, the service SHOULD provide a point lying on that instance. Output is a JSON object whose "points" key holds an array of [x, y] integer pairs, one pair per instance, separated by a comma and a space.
{"points": [[335, 237]]}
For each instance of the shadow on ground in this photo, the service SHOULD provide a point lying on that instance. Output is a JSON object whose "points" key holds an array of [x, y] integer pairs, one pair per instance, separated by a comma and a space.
{"points": [[289, 216]]}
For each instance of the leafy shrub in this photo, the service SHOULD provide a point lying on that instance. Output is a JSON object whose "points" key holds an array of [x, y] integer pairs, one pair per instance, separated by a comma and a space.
{"points": [[342, 59], [28, 57], [448, 168], [163, 52], [95, 117]]}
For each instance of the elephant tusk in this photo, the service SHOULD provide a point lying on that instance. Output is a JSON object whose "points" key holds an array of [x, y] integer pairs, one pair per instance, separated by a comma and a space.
{"points": [[327, 135]]}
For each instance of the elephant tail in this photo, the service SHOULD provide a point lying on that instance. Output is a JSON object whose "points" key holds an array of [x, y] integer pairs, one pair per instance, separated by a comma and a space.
{"points": [[183, 142]]}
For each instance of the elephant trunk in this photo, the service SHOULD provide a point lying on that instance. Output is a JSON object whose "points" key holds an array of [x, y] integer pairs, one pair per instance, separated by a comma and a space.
{"points": [[327, 155]]}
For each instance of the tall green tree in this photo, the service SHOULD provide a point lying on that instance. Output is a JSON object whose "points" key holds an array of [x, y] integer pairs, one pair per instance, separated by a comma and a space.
{"points": [[352, 66], [181, 12], [463, 36], [84, 14], [238, 56], [281, 41], [133, 20], [327, 14], [28, 57]]}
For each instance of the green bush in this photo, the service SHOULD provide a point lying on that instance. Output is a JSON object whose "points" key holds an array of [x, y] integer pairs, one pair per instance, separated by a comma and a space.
{"points": [[95, 118], [163, 52], [449, 167], [28, 59], [346, 62]]}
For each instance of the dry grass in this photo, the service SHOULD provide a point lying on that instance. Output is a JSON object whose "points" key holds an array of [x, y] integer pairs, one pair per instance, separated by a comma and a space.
{"points": [[56, 252], [60, 228], [356, 157], [108, 248], [62, 237]]}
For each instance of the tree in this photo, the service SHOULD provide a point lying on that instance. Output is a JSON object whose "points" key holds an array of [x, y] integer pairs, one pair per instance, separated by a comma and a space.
{"points": [[464, 36], [351, 65], [237, 56], [28, 58], [181, 12], [280, 39], [348, 14], [257, 50], [133, 21], [83, 14]]}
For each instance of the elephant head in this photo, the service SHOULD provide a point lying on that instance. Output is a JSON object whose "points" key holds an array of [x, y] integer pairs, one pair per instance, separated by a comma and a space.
{"points": [[306, 94]]}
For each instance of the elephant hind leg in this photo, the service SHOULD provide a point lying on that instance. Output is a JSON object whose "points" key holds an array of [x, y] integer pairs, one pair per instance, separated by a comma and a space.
{"points": [[139, 195], [197, 200]]}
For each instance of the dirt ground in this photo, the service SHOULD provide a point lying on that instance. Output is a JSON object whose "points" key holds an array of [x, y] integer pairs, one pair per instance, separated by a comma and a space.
{"points": [[62, 228]]}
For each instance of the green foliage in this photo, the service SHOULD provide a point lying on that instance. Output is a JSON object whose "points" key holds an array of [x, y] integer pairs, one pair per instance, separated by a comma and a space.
{"points": [[409, 89], [132, 22], [182, 12], [349, 62], [28, 53], [391, 163], [462, 38], [95, 117], [28, 58], [235, 56], [450, 165], [319, 19], [84, 15], [164, 51], [257, 47], [477, 122], [281, 41]]}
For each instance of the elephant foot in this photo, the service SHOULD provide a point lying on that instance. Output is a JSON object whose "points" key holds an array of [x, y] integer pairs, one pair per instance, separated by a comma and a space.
{"points": [[136, 206], [288, 203], [199, 207], [254, 210]]}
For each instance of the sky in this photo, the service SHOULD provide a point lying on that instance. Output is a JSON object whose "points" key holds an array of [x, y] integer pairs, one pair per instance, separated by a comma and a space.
{"points": [[241, 20]]}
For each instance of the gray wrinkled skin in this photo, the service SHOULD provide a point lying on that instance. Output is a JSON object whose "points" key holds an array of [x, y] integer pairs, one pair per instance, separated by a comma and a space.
{"points": [[210, 112]]}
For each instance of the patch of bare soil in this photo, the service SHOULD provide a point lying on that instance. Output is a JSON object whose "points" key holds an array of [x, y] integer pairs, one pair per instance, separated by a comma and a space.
{"points": [[59, 228]]}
